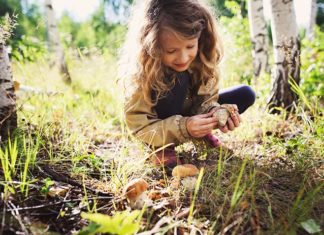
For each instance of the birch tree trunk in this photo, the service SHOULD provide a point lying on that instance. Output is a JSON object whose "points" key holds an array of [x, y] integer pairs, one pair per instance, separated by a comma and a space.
{"points": [[286, 46], [54, 43], [8, 116], [259, 38], [312, 19]]}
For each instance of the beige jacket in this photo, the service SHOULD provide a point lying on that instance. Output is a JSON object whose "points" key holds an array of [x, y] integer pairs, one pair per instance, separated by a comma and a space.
{"points": [[144, 124]]}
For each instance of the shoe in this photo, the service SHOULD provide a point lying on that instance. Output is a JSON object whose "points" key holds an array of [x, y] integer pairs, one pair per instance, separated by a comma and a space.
{"points": [[213, 141], [166, 158]]}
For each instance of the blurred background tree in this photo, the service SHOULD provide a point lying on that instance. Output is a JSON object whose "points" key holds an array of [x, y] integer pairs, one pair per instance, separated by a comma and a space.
{"points": [[28, 38]]}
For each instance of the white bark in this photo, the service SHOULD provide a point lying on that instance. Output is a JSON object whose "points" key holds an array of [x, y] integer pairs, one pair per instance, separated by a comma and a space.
{"points": [[312, 19], [8, 118], [54, 43], [259, 38], [286, 46]]}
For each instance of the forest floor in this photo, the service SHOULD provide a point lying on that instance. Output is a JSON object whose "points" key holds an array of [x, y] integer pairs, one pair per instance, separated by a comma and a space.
{"points": [[72, 154]]}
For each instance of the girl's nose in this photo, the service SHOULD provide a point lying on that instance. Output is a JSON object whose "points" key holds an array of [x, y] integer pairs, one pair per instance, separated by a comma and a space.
{"points": [[183, 58]]}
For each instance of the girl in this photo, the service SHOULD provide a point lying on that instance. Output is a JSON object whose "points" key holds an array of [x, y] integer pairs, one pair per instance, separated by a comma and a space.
{"points": [[170, 59]]}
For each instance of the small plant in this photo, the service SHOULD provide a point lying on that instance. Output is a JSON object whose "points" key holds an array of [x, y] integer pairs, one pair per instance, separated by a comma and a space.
{"points": [[238, 191], [197, 186], [30, 150], [8, 159], [47, 183]]}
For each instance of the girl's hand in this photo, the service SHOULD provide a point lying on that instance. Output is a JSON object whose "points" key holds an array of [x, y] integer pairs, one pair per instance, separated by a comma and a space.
{"points": [[232, 122], [200, 125]]}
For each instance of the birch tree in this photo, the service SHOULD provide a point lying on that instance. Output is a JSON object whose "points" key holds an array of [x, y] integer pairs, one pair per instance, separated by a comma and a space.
{"points": [[312, 19], [286, 46], [54, 43], [8, 116], [259, 38]]}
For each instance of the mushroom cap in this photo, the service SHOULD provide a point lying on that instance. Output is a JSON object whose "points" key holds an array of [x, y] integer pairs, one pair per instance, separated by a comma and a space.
{"points": [[230, 108], [185, 170], [222, 115], [135, 188], [223, 112]]}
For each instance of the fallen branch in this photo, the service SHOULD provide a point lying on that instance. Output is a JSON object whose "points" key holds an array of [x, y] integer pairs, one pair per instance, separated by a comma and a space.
{"points": [[62, 178], [54, 204], [16, 215]]}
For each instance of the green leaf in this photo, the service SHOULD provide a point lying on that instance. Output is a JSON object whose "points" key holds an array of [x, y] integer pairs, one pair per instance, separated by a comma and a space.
{"points": [[91, 229], [122, 223], [311, 226]]}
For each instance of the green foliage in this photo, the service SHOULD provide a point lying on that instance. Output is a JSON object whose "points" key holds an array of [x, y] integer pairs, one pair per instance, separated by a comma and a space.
{"points": [[11, 8], [225, 7], [29, 33], [7, 25], [28, 49], [94, 33], [312, 68], [236, 37], [121, 223]]}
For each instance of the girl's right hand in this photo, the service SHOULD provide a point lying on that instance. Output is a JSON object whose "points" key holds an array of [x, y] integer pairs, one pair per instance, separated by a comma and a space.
{"points": [[200, 125]]}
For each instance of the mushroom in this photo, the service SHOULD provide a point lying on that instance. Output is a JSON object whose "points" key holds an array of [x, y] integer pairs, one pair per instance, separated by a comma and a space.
{"points": [[185, 175], [185, 170], [223, 112], [135, 192]]}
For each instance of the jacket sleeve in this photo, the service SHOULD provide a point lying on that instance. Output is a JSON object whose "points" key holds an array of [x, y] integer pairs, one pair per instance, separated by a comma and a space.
{"points": [[142, 121], [205, 97]]}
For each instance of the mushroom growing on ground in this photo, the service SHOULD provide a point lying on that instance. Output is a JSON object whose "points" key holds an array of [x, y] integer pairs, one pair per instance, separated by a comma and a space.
{"points": [[223, 112], [185, 175], [136, 193]]}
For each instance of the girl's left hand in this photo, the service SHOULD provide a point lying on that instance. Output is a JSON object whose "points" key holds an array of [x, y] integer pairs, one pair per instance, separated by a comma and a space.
{"points": [[232, 122]]}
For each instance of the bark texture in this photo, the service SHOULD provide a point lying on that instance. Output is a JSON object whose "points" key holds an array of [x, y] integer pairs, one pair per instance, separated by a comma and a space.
{"points": [[312, 19], [259, 38], [54, 43], [286, 46], [8, 116]]}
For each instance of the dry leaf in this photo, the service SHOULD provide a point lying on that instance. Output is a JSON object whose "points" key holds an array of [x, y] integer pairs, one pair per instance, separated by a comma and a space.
{"points": [[155, 195], [58, 191]]}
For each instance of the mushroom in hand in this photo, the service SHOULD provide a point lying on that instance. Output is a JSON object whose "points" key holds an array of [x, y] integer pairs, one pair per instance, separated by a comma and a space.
{"points": [[223, 112]]}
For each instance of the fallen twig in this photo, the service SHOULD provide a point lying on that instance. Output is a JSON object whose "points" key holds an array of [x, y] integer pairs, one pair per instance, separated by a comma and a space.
{"points": [[62, 178], [54, 203], [230, 226], [15, 214], [158, 226]]}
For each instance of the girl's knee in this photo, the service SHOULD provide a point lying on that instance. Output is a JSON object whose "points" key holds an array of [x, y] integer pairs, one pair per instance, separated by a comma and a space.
{"points": [[249, 94]]}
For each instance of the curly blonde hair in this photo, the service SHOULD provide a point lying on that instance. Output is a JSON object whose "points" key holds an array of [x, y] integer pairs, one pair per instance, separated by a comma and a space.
{"points": [[140, 59]]}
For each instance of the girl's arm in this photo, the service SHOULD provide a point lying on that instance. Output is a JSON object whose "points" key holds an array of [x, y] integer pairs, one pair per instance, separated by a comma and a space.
{"points": [[144, 124], [205, 97]]}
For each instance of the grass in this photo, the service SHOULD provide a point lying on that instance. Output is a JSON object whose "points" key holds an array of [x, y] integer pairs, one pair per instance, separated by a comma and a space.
{"points": [[272, 184]]}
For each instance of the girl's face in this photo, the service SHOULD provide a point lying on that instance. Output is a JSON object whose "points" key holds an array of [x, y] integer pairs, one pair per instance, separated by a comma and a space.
{"points": [[177, 53]]}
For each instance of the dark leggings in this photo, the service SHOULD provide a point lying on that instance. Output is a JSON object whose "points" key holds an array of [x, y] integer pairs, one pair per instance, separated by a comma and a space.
{"points": [[242, 95]]}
